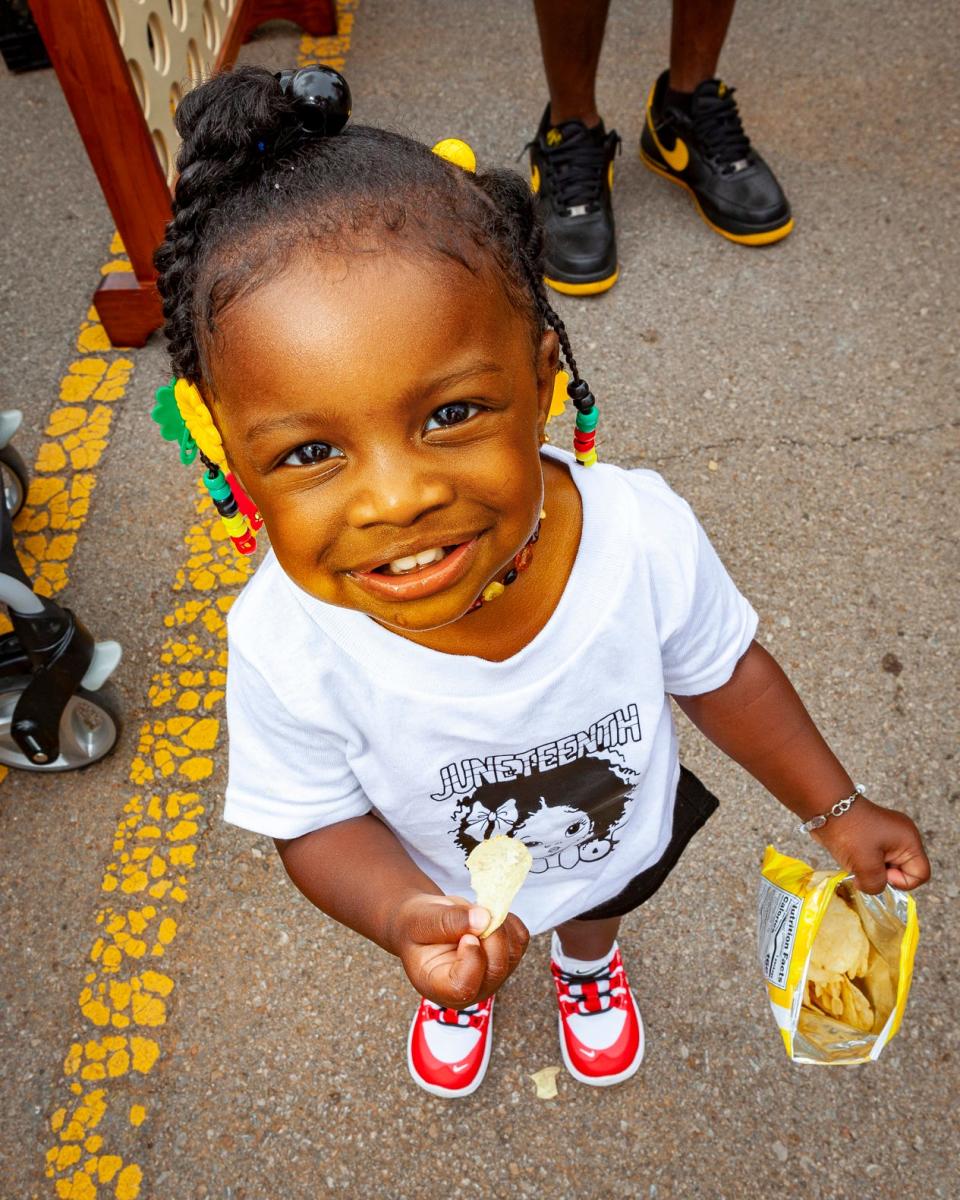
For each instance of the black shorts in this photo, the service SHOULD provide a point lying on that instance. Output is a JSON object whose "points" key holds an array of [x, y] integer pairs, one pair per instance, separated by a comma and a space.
{"points": [[694, 804]]}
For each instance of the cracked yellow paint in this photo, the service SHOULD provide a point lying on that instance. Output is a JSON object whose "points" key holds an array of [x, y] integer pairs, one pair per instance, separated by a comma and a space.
{"points": [[160, 830], [92, 336], [124, 1001], [332, 51]]}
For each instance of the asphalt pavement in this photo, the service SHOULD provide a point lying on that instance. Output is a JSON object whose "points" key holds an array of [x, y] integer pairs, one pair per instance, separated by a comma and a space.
{"points": [[177, 1022]]}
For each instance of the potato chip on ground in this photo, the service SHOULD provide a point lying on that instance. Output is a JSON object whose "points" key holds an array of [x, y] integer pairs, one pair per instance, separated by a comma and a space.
{"points": [[545, 1081], [497, 869]]}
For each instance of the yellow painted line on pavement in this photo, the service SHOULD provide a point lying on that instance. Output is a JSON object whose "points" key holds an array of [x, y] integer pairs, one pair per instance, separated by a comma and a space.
{"points": [[75, 437], [331, 51], [105, 1095], [125, 994]]}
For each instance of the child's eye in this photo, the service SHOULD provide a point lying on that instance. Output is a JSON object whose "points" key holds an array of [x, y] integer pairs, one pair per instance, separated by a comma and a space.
{"points": [[311, 453], [452, 414]]}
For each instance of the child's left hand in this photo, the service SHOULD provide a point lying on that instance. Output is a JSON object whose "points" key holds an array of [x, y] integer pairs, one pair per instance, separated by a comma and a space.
{"points": [[878, 846]]}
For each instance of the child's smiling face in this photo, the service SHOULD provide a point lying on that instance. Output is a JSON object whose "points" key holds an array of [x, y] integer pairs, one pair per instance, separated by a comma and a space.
{"points": [[381, 407]]}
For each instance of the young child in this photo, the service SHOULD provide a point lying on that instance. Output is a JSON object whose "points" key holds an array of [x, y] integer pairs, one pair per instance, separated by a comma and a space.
{"points": [[458, 632]]}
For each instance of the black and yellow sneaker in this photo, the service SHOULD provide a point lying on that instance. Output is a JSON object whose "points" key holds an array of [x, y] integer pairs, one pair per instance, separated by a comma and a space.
{"points": [[571, 172], [706, 151]]}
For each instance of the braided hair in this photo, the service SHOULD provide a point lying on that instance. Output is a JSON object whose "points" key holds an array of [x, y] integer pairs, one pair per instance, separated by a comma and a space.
{"points": [[253, 188]]}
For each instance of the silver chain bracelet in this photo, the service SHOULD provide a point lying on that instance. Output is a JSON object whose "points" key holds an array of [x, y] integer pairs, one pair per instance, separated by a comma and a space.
{"points": [[838, 810]]}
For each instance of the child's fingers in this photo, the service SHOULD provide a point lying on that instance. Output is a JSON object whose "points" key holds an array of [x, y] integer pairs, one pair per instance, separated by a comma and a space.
{"points": [[444, 920], [496, 950], [871, 877], [878, 845], [466, 972], [504, 948], [519, 936], [909, 873]]}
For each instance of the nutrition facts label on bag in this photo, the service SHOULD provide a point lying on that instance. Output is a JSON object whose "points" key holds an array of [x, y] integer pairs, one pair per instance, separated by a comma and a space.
{"points": [[778, 913]]}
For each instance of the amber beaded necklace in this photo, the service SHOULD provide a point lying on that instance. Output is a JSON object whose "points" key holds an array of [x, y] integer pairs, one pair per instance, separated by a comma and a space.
{"points": [[521, 560]]}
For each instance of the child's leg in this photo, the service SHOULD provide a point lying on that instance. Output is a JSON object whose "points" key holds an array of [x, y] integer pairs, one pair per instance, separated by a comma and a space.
{"points": [[587, 941], [601, 1034]]}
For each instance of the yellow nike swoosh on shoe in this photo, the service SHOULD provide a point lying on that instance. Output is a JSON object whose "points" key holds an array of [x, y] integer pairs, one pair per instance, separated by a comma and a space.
{"points": [[744, 239], [535, 179], [679, 156]]}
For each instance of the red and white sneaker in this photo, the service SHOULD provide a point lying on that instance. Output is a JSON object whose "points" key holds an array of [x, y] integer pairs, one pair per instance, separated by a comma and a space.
{"points": [[601, 1033], [448, 1048]]}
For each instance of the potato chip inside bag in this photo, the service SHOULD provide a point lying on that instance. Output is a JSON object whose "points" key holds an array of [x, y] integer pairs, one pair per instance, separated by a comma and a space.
{"points": [[497, 869], [837, 962]]}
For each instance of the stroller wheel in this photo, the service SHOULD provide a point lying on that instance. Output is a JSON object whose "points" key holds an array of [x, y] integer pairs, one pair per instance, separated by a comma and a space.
{"points": [[89, 729], [14, 478]]}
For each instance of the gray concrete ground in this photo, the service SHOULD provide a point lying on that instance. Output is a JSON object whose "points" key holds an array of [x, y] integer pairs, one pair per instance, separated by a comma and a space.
{"points": [[803, 398]]}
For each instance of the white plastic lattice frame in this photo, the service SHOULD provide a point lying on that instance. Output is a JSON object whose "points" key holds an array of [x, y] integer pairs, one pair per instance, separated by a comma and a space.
{"points": [[169, 45]]}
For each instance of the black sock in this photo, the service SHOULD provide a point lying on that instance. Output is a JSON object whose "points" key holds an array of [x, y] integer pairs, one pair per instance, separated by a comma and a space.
{"points": [[680, 100]]}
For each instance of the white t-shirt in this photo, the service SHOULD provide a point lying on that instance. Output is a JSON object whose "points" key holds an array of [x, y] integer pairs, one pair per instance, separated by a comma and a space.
{"points": [[569, 745]]}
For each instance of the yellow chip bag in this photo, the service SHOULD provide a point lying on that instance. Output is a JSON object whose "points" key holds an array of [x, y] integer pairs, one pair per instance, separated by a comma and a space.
{"points": [[497, 869], [837, 962]]}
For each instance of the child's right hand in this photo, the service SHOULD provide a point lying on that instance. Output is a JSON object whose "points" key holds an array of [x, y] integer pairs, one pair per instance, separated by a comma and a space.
{"points": [[444, 958]]}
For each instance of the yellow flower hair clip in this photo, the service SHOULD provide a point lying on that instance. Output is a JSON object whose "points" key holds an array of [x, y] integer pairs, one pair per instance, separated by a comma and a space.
{"points": [[184, 418], [457, 152], [196, 416]]}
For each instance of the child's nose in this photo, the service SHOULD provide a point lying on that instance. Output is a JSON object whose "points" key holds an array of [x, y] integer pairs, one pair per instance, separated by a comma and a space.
{"points": [[393, 495]]}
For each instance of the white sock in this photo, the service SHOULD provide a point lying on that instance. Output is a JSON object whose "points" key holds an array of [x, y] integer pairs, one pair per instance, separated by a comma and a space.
{"points": [[578, 966]]}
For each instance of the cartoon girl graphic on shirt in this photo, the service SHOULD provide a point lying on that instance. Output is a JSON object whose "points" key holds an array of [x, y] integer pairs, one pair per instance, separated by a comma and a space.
{"points": [[564, 816]]}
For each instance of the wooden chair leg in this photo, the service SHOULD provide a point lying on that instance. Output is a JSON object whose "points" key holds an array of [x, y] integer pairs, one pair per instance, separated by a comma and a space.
{"points": [[129, 308]]}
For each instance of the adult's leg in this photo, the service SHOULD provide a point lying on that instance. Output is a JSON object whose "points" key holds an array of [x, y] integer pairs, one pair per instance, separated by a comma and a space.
{"points": [[693, 134], [697, 35], [571, 37]]}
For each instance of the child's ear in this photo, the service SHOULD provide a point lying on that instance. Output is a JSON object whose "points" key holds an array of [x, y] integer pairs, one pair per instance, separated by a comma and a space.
{"points": [[213, 408], [548, 358]]}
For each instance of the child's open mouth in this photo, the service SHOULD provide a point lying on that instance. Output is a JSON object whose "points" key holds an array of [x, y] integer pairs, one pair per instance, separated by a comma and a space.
{"points": [[414, 562], [418, 575]]}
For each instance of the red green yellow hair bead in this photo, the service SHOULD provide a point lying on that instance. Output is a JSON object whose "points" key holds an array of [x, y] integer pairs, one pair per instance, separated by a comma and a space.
{"points": [[585, 435], [585, 431], [185, 419]]}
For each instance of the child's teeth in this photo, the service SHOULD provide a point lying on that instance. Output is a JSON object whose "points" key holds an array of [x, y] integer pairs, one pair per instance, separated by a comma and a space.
{"points": [[399, 566], [404, 564]]}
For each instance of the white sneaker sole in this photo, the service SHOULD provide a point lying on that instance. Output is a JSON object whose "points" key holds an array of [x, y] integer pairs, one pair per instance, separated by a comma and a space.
{"points": [[606, 1080], [450, 1093]]}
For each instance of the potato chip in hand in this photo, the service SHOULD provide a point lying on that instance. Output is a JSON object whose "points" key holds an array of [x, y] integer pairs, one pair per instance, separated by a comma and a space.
{"points": [[497, 869]]}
